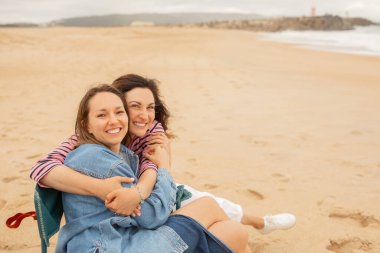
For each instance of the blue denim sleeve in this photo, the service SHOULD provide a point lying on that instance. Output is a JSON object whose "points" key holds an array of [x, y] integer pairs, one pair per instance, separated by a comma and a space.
{"points": [[157, 207]]}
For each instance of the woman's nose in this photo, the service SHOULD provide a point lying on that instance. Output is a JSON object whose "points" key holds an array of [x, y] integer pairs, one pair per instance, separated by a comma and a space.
{"points": [[113, 118], [143, 114]]}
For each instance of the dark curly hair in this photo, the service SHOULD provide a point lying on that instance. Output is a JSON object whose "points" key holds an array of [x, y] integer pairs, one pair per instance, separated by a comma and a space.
{"points": [[129, 82]]}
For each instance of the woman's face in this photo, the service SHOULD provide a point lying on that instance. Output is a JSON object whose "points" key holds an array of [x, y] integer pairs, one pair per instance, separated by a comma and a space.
{"points": [[107, 119], [141, 110]]}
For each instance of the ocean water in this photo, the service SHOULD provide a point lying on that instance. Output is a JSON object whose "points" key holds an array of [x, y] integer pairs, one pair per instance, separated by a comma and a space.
{"points": [[361, 40]]}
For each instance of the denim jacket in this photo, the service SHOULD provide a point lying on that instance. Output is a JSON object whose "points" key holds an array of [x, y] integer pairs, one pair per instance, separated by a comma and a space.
{"points": [[91, 227]]}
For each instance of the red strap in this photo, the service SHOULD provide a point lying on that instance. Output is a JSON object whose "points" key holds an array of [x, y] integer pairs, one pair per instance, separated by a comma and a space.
{"points": [[15, 220]]}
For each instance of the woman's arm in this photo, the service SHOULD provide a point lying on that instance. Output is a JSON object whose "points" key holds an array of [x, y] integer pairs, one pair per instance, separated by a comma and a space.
{"points": [[161, 201], [157, 207], [50, 172], [147, 172], [65, 179], [127, 201], [116, 200], [51, 160]]}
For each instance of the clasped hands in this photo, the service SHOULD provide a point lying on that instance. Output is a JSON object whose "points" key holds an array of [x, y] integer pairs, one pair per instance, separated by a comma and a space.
{"points": [[126, 201]]}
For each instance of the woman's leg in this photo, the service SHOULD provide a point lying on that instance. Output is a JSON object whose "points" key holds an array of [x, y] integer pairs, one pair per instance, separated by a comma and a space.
{"points": [[233, 210], [264, 225], [233, 234], [204, 210], [252, 220], [207, 212]]}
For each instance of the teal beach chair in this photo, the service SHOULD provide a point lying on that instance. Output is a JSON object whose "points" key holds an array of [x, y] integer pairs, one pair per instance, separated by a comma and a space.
{"points": [[49, 211]]}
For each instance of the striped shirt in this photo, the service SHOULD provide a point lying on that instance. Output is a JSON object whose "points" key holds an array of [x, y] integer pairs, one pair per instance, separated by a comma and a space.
{"points": [[57, 157]]}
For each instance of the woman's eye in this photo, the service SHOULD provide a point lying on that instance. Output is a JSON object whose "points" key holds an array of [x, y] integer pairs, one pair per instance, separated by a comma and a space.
{"points": [[100, 115], [151, 107], [120, 112], [135, 106]]}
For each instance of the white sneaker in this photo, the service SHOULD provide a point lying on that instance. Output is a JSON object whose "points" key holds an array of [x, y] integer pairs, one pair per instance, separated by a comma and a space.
{"points": [[278, 221]]}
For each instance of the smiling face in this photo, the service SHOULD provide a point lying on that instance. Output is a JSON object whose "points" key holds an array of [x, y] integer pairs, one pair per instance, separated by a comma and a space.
{"points": [[141, 110], [107, 120]]}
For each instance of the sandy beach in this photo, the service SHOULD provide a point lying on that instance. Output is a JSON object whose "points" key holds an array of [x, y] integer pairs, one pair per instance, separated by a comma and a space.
{"points": [[271, 126]]}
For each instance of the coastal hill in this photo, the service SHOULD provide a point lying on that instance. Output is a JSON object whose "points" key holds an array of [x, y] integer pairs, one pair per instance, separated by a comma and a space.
{"points": [[250, 22], [150, 18], [317, 23]]}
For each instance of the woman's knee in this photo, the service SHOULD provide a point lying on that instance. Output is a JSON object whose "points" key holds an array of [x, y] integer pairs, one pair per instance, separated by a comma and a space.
{"points": [[232, 233], [205, 210], [241, 236], [209, 202]]}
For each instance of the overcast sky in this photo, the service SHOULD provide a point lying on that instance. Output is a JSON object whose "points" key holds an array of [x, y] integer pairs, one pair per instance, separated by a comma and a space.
{"points": [[47, 10]]}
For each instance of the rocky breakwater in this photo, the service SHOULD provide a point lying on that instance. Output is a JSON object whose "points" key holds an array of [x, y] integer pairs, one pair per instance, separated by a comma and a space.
{"points": [[317, 23]]}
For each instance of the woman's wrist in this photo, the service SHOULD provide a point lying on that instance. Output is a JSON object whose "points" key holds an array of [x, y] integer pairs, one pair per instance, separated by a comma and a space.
{"points": [[140, 193], [99, 188]]}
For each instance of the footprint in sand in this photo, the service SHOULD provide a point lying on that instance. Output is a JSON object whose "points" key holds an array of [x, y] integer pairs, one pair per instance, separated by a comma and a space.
{"points": [[281, 177], [353, 165], [10, 247], [33, 156], [24, 170], [220, 129], [210, 186], [257, 195], [189, 175], [304, 137], [260, 143], [328, 201], [355, 132], [258, 247], [9, 179], [193, 161], [362, 219], [236, 85], [251, 139], [2, 203], [349, 245]]}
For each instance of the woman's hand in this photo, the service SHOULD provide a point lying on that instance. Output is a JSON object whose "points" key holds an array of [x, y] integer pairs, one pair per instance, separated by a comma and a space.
{"points": [[159, 156], [110, 184], [160, 139], [124, 201]]}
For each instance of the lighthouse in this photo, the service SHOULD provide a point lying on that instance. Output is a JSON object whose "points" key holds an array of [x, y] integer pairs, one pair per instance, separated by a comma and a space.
{"points": [[313, 11]]}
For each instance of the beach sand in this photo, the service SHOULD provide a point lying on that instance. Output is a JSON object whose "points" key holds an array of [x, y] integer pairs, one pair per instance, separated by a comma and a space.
{"points": [[271, 126]]}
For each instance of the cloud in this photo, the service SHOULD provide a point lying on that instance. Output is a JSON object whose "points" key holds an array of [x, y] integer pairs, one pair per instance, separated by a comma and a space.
{"points": [[47, 10], [356, 6]]}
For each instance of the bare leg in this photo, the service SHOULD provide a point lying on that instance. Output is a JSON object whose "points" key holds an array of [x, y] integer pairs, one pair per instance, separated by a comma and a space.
{"points": [[250, 219], [247, 250], [232, 233], [207, 212]]}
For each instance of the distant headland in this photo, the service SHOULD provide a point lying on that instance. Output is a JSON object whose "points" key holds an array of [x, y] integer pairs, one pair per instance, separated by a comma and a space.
{"points": [[315, 23], [250, 22]]}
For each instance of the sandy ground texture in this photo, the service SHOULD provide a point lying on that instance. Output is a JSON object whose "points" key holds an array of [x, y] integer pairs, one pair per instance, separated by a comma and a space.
{"points": [[270, 126]]}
